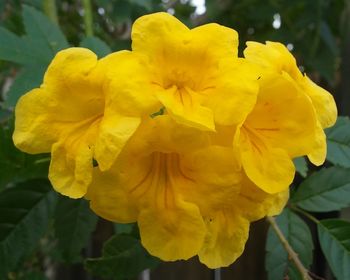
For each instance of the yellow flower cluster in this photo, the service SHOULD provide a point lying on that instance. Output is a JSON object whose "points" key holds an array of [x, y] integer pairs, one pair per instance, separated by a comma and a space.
{"points": [[179, 135]]}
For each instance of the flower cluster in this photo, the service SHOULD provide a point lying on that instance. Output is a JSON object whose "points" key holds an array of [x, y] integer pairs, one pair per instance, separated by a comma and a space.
{"points": [[179, 135]]}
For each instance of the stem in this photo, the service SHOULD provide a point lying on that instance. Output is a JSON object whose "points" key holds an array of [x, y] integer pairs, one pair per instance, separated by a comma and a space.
{"points": [[316, 41], [42, 160], [294, 257], [306, 214], [88, 18], [50, 10]]}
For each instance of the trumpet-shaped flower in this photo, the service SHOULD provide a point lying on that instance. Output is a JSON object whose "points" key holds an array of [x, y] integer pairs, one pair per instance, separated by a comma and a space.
{"points": [[164, 179], [184, 193], [195, 74], [65, 116], [275, 58], [192, 142], [285, 123], [228, 228]]}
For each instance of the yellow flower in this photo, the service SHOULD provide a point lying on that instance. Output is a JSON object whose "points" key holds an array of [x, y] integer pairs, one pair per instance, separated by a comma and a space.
{"points": [[164, 179], [286, 121], [186, 194], [195, 74], [275, 58], [228, 228], [192, 142], [66, 116]]}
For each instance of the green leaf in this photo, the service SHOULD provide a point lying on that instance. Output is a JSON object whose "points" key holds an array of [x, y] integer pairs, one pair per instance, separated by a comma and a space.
{"points": [[2, 6], [33, 275], [301, 166], [42, 41], [124, 228], [74, 223], [298, 236], [13, 48], [123, 257], [325, 190], [123, 12], [35, 51], [17, 166], [326, 63], [44, 36], [334, 236], [96, 45], [5, 115], [26, 80], [338, 142], [147, 4], [38, 4], [25, 211], [328, 38]]}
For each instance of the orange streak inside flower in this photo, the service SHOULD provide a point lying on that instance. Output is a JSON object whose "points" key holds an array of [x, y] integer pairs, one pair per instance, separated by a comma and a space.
{"points": [[160, 180]]}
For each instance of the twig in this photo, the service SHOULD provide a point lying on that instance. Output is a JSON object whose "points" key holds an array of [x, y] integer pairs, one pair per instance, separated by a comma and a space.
{"points": [[50, 10], [294, 257], [88, 18], [315, 276], [304, 213]]}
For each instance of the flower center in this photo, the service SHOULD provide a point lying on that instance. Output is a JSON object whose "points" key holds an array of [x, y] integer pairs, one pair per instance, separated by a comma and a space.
{"points": [[179, 79]]}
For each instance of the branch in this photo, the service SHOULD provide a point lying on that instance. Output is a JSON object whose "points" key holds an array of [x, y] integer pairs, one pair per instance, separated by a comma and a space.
{"points": [[88, 18], [50, 10], [294, 257], [304, 213]]}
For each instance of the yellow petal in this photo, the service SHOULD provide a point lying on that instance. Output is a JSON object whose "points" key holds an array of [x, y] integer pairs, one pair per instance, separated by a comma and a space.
{"points": [[115, 131], [33, 131], [215, 175], [163, 38], [271, 169], [109, 199], [71, 159], [323, 102], [184, 64], [225, 171], [319, 149], [276, 202], [70, 95], [156, 34], [234, 92], [163, 134], [283, 116], [225, 240], [130, 88], [70, 174], [224, 135], [219, 40], [254, 204], [274, 56], [172, 233], [74, 75], [72, 64], [184, 106]]}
